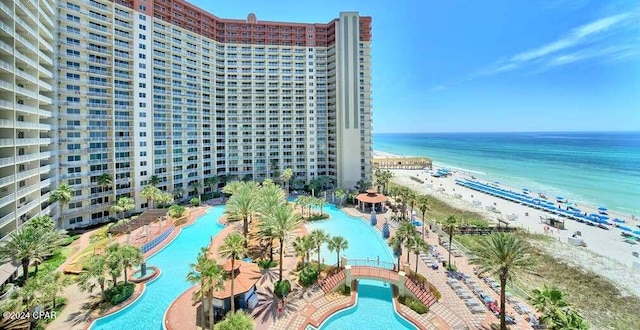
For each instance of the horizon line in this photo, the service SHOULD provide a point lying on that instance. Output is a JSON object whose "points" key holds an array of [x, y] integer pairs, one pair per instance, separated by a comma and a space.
{"points": [[494, 132]]}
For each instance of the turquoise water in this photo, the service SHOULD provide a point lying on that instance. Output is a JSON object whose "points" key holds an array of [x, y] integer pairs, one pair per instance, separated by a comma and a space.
{"points": [[365, 241], [599, 168], [372, 311], [147, 313]]}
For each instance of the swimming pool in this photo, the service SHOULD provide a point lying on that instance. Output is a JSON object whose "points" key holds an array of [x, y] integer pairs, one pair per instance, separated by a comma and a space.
{"points": [[365, 241], [373, 310], [173, 261]]}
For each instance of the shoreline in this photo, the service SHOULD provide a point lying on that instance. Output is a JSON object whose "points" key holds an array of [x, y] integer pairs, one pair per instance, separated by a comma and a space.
{"points": [[467, 173], [615, 262]]}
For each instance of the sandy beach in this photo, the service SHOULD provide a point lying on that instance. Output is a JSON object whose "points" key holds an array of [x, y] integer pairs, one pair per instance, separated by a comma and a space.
{"points": [[606, 253]]}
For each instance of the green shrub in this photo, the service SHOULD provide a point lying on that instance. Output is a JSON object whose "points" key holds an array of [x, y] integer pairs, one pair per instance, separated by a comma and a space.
{"points": [[66, 241], [119, 293], [177, 211], [216, 194], [282, 288], [308, 275], [195, 201], [344, 290], [412, 303], [266, 263], [435, 291], [317, 217]]}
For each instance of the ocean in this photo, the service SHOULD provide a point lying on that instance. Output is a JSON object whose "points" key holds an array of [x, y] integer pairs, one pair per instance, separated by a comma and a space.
{"points": [[595, 168]]}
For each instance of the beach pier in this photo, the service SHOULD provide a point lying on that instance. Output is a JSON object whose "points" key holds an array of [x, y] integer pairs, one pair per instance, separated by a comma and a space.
{"points": [[403, 163]]}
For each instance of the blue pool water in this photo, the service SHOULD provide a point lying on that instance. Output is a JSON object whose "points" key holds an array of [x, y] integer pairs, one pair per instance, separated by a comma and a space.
{"points": [[365, 241], [372, 311], [147, 312]]}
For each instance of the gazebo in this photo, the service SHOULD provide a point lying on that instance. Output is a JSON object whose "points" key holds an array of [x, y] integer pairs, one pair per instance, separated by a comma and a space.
{"points": [[373, 198]]}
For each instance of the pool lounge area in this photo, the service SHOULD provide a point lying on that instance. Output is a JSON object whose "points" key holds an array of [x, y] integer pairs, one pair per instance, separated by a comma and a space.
{"points": [[147, 312]]}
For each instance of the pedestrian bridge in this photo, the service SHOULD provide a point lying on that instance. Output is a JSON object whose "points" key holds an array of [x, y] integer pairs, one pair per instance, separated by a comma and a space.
{"points": [[381, 271]]}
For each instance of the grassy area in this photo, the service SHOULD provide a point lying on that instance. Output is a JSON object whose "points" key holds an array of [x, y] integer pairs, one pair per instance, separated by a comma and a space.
{"points": [[596, 298]]}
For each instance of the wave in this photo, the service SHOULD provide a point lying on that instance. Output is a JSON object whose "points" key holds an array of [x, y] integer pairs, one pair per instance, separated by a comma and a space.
{"points": [[443, 165]]}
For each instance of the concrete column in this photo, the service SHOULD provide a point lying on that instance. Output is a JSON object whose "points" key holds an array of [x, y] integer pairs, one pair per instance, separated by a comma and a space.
{"points": [[347, 273], [343, 261], [406, 268], [401, 279]]}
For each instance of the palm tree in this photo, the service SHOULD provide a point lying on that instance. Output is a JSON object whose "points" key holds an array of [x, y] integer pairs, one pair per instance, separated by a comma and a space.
{"points": [[302, 246], [243, 204], [285, 177], [318, 237], [211, 181], [423, 202], [504, 256], [45, 222], [150, 193], [450, 225], [105, 180], [54, 284], [382, 177], [406, 232], [233, 247], [556, 313], [196, 188], [63, 195], [319, 202], [281, 221], [210, 276], [123, 205], [411, 200], [94, 274], [340, 194], [29, 244], [164, 198], [337, 243], [396, 245], [129, 256], [417, 245], [154, 180]]}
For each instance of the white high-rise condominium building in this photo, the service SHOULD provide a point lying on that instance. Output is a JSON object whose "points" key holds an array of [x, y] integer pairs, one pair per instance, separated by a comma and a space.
{"points": [[166, 90], [28, 164]]}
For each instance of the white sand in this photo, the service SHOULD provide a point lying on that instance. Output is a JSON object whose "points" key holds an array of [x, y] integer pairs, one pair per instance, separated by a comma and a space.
{"points": [[606, 254]]}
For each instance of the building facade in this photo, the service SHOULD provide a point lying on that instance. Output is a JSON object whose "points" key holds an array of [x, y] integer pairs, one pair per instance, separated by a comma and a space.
{"points": [[164, 90], [28, 166]]}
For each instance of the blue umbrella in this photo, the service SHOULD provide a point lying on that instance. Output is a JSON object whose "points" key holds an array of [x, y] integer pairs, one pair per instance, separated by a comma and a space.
{"points": [[637, 232], [602, 208], [618, 220], [624, 228]]}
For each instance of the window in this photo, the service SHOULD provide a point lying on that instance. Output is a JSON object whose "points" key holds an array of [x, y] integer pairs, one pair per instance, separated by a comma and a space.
{"points": [[142, 66], [142, 56], [142, 36], [142, 27], [142, 46], [142, 75], [143, 114], [142, 85]]}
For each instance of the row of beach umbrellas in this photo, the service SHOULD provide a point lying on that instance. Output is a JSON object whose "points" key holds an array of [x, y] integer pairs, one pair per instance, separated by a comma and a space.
{"points": [[570, 212]]}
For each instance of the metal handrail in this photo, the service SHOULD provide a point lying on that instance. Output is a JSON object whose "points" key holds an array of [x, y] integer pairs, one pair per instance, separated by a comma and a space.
{"points": [[371, 263]]}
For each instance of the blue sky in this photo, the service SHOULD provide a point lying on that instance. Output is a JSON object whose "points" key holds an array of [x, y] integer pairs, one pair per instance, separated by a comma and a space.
{"points": [[494, 65]]}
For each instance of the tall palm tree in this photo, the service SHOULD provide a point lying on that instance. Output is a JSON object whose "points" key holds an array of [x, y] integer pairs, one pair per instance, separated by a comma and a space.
{"points": [[105, 180], [94, 274], [233, 247], [29, 244], [406, 232], [337, 243], [416, 245], [318, 237], [150, 193], [383, 177], [123, 205], [210, 276], [302, 245], [285, 177], [43, 221], [396, 245], [556, 312], [411, 201], [54, 284], [63, 195], [423, 203], [243, 204], [281, 221], [113, 259], [504, 256], [154, 180], [340, 194], [211, 182], [164, 199], [130, 256], [450, 226], [195, 186]]}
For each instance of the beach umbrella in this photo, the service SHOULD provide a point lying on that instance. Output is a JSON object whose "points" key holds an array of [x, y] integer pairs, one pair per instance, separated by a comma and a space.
{"points": [[602, 208], [624, 228], [618, 220], [637, 232]]}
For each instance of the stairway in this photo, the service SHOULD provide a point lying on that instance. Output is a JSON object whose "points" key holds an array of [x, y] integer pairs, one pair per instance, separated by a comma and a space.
{"points": [[330, 282], [424, 295]]}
